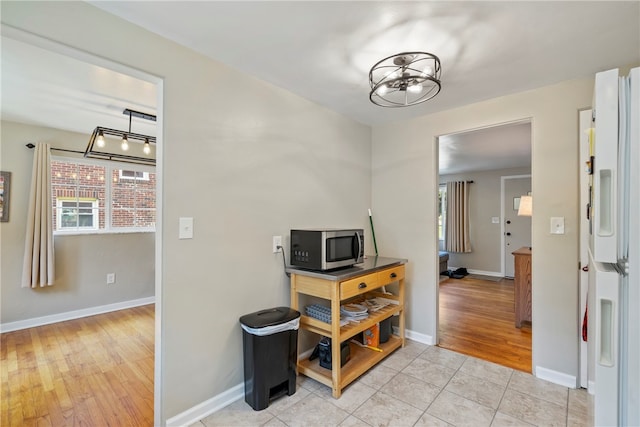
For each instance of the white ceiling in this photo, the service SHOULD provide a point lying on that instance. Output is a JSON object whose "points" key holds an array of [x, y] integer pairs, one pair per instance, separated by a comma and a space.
{"points": [[44, 88], [498, 147], [323, 51]]}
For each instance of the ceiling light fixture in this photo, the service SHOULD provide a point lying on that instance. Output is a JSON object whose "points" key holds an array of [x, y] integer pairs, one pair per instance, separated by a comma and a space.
{"points": [[405, 79], [97, 142]]}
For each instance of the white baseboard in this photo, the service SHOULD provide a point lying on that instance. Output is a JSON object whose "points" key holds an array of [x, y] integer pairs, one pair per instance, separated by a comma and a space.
{"points": [[481, 272], [591, 387], [206, 408], [556, 377], [76, 314], [486, 273], [416, 336]]}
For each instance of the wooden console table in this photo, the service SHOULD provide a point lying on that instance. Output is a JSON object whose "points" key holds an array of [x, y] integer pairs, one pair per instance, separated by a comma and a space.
{"points": [[522, 285], [343, 286]]}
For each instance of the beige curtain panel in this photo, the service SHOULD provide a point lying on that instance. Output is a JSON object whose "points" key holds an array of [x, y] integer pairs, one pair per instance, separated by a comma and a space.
{"points": [[457, 223], [38, 265]]}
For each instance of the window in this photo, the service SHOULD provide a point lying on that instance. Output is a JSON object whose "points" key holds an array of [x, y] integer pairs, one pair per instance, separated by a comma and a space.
{"points": [[133, 201], [94, 196], [442, 211], [125, 174], [75, 214]]}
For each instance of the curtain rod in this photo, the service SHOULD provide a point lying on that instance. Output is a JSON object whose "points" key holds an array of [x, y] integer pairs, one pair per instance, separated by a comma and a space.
{"points": [[30, 145]]}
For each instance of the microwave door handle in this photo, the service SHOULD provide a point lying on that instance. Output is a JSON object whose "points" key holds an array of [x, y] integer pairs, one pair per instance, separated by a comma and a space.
{"points": [[358, 259]]}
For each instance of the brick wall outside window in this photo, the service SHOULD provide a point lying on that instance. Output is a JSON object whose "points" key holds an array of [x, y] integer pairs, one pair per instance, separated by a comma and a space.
{"points": [[132, 203]]}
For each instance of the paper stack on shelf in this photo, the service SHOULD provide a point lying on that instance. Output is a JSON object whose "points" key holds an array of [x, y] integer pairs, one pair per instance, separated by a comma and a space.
{"points": [[386, 301], [375, 304], [354, 312]]}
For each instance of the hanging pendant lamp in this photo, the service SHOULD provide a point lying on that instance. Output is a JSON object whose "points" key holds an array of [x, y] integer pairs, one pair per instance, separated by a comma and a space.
{"points": [[98, 141]]}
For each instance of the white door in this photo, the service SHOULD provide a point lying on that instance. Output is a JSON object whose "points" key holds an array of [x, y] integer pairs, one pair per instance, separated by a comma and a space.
{"points": [[517, 229]]}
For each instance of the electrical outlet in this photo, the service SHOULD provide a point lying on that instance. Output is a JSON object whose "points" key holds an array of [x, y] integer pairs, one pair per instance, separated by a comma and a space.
{"points": [[111, 278], [277, 241]]}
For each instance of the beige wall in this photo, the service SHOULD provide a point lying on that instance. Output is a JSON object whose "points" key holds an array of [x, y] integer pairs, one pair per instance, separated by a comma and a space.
{"points": [[484, 203], [404, 171], [246, 160], [82, 261]]}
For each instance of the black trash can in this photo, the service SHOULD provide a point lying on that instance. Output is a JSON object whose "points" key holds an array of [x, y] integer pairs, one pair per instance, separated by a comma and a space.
{"points": [[270, 343]]}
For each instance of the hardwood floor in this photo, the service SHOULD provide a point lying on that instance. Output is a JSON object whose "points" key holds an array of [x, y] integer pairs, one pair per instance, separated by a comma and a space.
{"points": [[477, 319], [94, 371]]}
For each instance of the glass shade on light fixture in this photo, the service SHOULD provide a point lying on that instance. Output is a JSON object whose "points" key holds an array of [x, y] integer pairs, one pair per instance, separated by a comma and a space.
{"points": [[147, 148], [100, 140], [125, 143], [405, 79]]}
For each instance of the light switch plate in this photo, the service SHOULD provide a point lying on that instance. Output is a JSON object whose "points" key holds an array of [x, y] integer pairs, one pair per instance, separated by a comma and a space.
{"points": [[557, 225], [495, 220], [186, 228]]}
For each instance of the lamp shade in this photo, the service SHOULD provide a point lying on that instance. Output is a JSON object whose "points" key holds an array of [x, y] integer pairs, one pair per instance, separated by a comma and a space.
{"points": [[525, 208]]}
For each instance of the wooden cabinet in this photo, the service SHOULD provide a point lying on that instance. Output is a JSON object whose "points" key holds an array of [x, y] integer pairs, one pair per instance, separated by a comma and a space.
{"points": [[522, 285], [351, 285]]}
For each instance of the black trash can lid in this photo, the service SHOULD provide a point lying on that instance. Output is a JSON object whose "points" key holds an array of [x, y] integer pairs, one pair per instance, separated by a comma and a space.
{"points": [[269, 317]]}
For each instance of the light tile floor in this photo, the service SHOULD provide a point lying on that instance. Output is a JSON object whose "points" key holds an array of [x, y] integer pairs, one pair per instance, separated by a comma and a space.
{"points": [[421, 385]]}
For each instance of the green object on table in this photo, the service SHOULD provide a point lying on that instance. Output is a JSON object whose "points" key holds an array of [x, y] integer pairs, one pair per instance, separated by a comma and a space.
{"points": [[373, 232]]}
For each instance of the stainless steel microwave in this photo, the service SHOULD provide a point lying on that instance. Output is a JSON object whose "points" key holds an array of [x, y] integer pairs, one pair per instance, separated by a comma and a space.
{"points": [[326, 249]]}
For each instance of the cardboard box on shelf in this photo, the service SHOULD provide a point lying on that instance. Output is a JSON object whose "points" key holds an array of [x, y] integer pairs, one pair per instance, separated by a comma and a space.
{"points": [[371, 336]]}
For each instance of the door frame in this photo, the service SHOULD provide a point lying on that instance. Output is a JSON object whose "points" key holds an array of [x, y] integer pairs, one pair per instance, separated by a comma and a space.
{"points": [[435, 338], [53, 46], [503, 213], [584, 117]]}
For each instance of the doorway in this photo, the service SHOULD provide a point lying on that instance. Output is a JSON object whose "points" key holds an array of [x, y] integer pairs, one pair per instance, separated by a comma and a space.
{"points": [[112, 75], [517, 229], [476, 312]]}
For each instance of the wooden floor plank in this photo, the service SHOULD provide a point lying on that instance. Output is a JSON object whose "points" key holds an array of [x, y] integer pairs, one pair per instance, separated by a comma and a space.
{"points": [[477, 318], [94, 371]]}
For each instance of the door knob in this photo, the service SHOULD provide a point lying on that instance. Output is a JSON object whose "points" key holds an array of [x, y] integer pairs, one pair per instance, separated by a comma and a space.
{"points": [[508, 221], [507, 234]]}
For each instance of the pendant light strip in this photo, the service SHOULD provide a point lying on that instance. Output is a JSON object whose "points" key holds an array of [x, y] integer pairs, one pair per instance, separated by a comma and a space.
{"points": [[97, 142]]}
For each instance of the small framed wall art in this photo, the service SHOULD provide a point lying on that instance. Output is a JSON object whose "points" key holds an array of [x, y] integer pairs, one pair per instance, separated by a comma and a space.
{"points": [[5, 186]]}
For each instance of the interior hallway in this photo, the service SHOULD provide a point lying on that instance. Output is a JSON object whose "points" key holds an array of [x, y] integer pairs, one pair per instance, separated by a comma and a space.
{"points": [[477, 319]]}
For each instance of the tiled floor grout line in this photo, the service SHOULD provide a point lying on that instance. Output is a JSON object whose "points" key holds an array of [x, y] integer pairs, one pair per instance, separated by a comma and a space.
{"points": [[495, 411], [434, 399], [506, 387], [442, 388], [566, 415]]}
